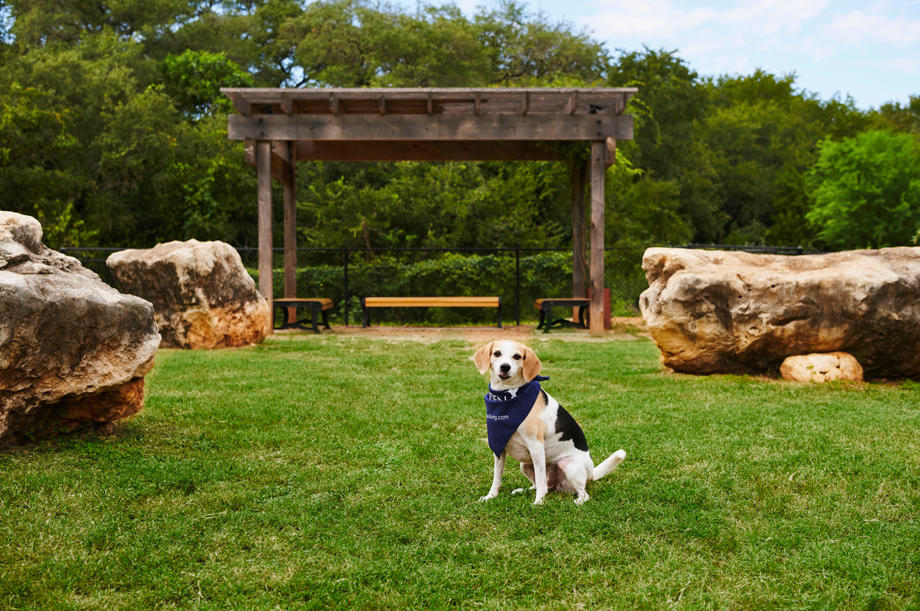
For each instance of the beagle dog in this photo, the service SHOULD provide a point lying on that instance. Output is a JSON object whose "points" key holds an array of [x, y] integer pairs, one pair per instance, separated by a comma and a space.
{"points": [[527, 423]]}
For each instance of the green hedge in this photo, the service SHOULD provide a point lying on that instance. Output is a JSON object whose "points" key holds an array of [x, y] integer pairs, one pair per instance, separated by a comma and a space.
{"points": [[545, 274]]}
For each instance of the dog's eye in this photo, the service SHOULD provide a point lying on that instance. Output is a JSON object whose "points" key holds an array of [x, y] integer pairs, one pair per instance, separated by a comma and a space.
{"points": [[516, 357], [497, 353]]}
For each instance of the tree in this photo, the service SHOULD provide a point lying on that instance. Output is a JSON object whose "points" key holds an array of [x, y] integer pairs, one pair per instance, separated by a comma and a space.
{"points": [[895, 117], [670, 99], [669, 107], [36, 149], [866, 191], [350, 43], [762, 132], [526, 50], [50, 22], [194, 79]]}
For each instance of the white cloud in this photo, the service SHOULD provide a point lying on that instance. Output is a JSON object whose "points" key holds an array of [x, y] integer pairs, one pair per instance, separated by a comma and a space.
{"points": [[653, 19], [771, 17], [863, 47], [664, 19], [906, 65], [730, 38], [872, 25]]}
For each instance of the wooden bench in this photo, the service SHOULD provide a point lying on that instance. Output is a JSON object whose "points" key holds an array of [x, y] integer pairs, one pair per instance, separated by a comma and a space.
{"points": [[317, 305], [430, 302], [546, 313]]}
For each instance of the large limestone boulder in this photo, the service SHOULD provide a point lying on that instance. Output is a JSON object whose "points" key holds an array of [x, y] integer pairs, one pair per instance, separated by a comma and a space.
{"points": [[821, 368], [715, 311], [73, 350], [201, 293]]}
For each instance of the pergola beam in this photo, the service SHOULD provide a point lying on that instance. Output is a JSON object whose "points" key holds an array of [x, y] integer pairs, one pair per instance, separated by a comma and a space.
{"points": [[488, 100], [444, 150], [441, 150], [471, 128]]}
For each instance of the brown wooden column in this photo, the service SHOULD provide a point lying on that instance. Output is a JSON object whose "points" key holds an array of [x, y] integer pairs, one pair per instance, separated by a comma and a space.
{"points": [[577, 176], [290, 226], [264, 170], [598, 165]]}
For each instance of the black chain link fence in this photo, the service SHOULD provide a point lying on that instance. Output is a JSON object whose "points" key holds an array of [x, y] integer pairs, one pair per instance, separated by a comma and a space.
{"points": [[518, 275]]}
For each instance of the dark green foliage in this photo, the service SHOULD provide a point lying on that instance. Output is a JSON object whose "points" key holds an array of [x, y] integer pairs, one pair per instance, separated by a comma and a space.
{"points": [[450, 274], [763, 134], [867, 191], [899, 118], [194, 78], [545, 274], [383, 205], [113, 130]]}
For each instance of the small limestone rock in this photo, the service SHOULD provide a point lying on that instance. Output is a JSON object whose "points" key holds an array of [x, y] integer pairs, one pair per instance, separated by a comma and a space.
{"points": [[73, 350], [736, 312], [821, 368], [201, 293]]}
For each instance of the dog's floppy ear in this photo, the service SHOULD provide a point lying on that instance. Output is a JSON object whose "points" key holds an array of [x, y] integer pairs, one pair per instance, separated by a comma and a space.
{"points": [[483, 358], [532, 364]]}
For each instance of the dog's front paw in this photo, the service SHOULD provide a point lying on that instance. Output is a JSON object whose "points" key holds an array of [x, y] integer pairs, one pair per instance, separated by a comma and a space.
{"points": [[538, 500], [491, 495]]}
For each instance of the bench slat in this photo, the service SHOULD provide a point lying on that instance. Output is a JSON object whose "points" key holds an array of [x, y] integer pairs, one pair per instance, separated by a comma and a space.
{"points": [[434, 302], [552, 302], [296, 301]]}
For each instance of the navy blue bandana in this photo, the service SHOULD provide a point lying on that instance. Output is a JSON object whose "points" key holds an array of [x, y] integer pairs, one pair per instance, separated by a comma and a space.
{"points": [[506, 410]]}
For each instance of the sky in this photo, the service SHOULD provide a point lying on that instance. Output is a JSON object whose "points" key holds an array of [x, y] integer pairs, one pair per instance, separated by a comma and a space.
{"points": [[867, 50]]}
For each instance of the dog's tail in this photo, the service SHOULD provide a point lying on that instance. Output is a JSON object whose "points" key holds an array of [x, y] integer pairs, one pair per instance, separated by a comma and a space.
{"points": [[609, 465]]}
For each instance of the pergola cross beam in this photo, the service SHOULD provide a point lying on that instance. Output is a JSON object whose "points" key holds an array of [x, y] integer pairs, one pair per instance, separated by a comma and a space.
{"points": [[283, 126]]}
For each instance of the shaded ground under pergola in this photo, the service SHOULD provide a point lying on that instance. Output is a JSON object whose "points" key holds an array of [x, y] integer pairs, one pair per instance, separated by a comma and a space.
{"points": [[284, 126]]}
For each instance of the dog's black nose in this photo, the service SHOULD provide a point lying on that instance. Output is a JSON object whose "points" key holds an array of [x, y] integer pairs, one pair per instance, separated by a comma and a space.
{"points": [[505, 367]]}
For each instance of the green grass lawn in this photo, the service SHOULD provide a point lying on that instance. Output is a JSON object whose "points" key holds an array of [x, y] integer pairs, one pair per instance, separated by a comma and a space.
{"points": [[335, 471]]}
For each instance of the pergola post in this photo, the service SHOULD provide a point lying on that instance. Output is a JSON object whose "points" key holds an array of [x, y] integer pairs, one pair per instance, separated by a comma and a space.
{"points": [[598, 165], [577, 177], [290, 226], [264, 171]]}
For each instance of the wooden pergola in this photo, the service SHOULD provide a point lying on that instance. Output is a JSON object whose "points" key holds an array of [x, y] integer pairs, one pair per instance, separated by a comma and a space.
{"points": [[283, 126]]}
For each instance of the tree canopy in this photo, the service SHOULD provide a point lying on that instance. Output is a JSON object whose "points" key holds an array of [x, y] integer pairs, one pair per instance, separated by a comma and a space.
{"points": [[113, 129], [867, 190]]}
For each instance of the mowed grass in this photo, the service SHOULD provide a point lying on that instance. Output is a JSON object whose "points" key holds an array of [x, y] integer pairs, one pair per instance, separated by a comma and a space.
{"points": [[337, 471]]}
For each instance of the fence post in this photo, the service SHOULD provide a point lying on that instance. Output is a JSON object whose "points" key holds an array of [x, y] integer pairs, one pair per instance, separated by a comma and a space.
{"points": [[347, 296], [517, 286]]}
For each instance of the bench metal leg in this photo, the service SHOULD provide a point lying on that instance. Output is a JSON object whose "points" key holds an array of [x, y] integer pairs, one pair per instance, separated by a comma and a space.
{"points": [[313, 322], [314, 314], [546, 315], [366, 322], [285, 323], [499, 316], [547, 322]]}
